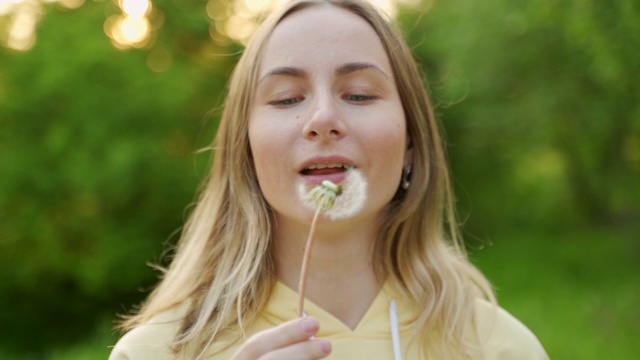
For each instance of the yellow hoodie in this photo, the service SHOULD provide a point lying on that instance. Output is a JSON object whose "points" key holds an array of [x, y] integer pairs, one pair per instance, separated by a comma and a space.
{"points": [[503, 337]]}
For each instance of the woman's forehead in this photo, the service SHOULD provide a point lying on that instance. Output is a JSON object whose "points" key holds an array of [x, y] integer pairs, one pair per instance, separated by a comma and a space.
{"points": [[323, 33]]}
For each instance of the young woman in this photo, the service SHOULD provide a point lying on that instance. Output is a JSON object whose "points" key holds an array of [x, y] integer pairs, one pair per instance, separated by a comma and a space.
{"points": [[325, 88]]}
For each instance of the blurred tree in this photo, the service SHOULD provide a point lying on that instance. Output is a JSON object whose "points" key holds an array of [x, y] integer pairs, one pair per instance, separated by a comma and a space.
{"points": [[540, 103], [97, 163]]}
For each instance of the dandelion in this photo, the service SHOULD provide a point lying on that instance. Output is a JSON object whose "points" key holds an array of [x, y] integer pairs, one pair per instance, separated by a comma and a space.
{"points": [[324, 195], [336, 202]]}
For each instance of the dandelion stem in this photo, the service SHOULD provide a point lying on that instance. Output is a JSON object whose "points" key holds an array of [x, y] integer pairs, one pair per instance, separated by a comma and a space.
{"points": [[302, 284]]}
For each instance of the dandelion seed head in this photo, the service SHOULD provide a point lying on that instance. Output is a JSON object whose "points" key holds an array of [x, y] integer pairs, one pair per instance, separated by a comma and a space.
{"points": [[341, 202]]}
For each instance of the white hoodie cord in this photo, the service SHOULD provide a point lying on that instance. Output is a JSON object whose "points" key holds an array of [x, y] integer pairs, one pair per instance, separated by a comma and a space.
{"points": [[395, 331]]}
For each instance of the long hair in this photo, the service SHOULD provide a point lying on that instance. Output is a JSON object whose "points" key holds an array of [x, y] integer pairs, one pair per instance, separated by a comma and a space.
{"points": [[224, 263]]}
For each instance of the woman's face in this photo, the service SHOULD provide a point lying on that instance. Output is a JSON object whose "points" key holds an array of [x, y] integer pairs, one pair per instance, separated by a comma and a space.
{"points": [[326, 99]]}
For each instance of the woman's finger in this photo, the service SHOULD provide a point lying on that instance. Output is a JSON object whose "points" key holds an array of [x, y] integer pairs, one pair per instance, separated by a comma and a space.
{"points": [[289, 333], [305, 350]]}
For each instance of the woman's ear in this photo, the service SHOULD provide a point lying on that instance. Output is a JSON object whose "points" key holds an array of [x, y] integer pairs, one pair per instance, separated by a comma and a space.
{"points": [[408, 155]]}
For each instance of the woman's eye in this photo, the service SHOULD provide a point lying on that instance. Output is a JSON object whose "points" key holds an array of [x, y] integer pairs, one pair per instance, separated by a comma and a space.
{"points": [[360, 98], [285, 102]]}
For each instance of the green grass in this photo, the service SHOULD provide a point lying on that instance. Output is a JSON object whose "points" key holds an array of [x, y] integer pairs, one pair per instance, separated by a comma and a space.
{"points": [[577, 291]]}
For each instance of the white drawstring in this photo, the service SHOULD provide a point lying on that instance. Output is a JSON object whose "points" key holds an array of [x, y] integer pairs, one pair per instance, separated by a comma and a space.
{"points": [[395, 331]]}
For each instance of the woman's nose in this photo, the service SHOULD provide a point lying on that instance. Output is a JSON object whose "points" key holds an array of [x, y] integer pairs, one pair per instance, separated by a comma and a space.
{"points": [[325, 121]]}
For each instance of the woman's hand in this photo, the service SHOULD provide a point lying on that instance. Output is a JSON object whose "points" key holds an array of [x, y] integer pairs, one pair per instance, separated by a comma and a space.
{"points": [[290, 340]]}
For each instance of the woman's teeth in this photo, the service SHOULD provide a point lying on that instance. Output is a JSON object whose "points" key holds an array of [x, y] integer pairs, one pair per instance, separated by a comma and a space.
{"points": [[329, 166]]}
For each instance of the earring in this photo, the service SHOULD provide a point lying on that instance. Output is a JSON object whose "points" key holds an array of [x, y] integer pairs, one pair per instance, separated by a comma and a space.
{"points": [[405, 177]]}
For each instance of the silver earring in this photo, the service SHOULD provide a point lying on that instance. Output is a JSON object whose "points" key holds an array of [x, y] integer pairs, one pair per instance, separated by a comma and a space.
{"points": [[405, 177]]}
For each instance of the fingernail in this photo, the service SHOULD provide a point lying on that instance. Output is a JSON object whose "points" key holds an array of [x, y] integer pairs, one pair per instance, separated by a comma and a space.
{"points": [[309, 326], [325, 346]]}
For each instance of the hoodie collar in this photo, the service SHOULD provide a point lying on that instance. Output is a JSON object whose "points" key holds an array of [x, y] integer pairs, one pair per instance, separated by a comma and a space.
{"points": [[282, 306]]}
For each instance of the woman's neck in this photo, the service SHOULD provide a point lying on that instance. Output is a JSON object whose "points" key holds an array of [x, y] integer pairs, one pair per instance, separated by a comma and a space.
{"points": [[341, 277]]}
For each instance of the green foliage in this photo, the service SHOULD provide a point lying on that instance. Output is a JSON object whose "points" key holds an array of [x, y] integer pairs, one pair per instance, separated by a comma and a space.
{"points": [[98, 167], [540, 104], [576, 290]]}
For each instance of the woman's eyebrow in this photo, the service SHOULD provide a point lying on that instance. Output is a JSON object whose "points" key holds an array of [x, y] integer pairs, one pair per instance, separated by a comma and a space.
{"points": [[357, 66], [285, 71], [345, 69]]}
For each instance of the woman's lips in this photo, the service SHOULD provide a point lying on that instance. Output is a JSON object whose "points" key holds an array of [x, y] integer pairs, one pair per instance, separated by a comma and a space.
{"points": [[319, 168]]}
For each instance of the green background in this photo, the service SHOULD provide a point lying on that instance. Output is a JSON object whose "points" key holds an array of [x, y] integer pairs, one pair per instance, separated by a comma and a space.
{"points": [[99, 164]]}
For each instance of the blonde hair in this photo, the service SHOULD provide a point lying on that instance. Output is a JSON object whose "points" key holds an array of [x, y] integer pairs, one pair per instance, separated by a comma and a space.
{"points": [[223, 267]]}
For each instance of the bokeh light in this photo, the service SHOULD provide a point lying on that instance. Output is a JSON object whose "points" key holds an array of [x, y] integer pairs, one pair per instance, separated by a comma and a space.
{"points": [[237, 20], [231, 20], [22, 35], [135, 8], [71, 4], [6, 6], [132, 28], [159, 60], [19, 20], [23, 17]]}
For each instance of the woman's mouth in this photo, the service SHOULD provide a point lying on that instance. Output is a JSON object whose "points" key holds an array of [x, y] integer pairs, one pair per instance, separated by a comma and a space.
{"points": [[325, 169]]}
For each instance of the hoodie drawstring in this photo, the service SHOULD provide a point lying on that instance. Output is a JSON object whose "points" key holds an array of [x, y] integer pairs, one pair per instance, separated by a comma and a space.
{"points": [[395, 329]]}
